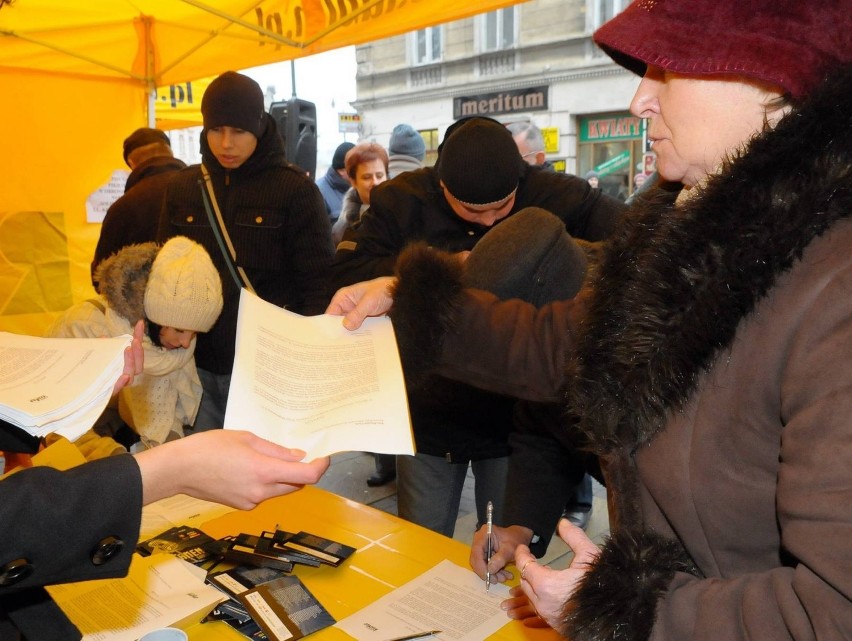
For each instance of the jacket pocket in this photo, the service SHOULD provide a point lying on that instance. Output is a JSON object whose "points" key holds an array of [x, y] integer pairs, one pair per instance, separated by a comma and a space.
{"points": [[258, 238]]}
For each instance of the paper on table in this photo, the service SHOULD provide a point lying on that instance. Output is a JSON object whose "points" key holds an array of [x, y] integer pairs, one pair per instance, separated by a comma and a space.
{"points": [[159, 591], [57, 384], [447, 598], [307, 382], [179, 509]]}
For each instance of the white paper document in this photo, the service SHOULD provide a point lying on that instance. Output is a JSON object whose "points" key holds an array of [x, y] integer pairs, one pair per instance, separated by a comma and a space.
{"points": [[307, 382], [178, 510], [160, 591], [57, 385], [448, 598]]}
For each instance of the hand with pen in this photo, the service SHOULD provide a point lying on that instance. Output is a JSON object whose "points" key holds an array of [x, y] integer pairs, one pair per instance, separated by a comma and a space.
{"points": [[540, 598]]}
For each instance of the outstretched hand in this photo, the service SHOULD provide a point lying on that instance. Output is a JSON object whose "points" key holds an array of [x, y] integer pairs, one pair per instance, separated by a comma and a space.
{"points": [[356, 302], [542, 594], [230, 467]]}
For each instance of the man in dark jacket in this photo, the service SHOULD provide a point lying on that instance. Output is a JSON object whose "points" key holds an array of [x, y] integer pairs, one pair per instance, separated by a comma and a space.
{"points": [[272, 212], [334, 185], [478, 181], [133, 218]]}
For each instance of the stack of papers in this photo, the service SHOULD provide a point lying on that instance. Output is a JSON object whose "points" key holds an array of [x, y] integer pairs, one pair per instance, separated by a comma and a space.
{"points": [[57, 385]]}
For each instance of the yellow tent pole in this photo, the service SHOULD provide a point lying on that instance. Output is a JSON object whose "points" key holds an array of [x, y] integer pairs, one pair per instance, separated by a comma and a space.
{"points": [[150, 69]]}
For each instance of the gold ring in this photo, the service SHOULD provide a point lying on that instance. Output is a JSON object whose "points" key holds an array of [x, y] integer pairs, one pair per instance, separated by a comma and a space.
{"points": [[524, 569]]}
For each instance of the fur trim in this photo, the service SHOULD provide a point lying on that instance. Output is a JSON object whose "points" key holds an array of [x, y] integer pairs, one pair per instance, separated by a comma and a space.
{"points": [[426, 299], [617, 598], [676, 282], [122, 279]]}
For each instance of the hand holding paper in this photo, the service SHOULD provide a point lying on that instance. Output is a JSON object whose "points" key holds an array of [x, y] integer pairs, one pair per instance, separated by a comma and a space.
{"points": [[307, 382]]}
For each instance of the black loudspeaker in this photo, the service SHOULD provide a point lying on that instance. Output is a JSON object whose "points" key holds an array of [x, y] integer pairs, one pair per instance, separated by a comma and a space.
{"points": [[297, 125]]}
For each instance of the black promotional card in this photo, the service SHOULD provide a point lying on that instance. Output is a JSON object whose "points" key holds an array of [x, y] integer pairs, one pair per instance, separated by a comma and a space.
{"points": [[285, 609], [273, 545], [326, 550], [236, 550], [184, 542], [237, 580], [236, 615]]}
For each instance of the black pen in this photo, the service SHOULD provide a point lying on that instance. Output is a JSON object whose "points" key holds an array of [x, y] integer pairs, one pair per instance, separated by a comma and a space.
{"points": [[417, 635], [489, 514]]}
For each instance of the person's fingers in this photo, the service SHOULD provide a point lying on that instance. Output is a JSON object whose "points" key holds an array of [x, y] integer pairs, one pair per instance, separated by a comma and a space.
{"points": [[575, 538], [524, 560]]}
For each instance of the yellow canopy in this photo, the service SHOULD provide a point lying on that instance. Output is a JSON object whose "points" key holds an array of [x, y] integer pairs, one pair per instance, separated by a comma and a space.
{"points": [[77, 77]]}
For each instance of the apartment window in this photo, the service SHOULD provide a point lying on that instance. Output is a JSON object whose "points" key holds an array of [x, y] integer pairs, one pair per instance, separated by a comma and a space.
{"points": [[602, 10], [427, 45], [498, 30]]}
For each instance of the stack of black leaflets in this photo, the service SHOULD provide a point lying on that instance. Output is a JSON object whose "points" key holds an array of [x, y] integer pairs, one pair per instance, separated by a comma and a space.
{"points": [[265, 601]]}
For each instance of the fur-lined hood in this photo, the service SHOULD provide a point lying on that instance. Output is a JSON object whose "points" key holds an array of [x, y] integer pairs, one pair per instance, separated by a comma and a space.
{"points": [[123, 278], [676, 282]]}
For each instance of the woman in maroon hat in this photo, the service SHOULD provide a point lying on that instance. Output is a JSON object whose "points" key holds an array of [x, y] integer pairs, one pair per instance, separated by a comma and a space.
{"points": [[706, 360]]}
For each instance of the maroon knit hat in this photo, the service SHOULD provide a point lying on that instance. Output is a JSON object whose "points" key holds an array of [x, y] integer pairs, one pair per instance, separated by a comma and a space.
{"points": [[789, 43]]}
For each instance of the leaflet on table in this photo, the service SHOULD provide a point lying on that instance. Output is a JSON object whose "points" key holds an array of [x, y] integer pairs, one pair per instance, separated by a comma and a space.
{"points": [[57, 384], [159, 591], [307, 382], [448, 598]]}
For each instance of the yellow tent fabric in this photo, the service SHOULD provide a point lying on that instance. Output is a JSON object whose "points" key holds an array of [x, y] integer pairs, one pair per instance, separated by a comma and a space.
{"points": [[77, 77]]}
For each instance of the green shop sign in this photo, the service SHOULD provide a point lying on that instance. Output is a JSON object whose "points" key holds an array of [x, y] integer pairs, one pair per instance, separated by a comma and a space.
{"points": [[615, 163], [610, 128]]}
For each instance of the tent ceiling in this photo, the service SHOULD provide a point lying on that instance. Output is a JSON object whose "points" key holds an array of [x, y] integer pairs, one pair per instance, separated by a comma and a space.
{"points": [[162, 42]]}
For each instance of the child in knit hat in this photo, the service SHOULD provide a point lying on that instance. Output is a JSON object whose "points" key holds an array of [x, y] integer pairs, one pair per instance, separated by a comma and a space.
{"points": [[176, 290]]}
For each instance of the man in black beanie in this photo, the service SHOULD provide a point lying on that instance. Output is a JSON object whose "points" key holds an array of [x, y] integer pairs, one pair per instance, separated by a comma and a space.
{"points": [[272, 212], [478, 181], [334, 185]]}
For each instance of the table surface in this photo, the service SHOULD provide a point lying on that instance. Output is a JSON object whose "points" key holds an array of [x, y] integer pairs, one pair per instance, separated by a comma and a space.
{"points": [[390, 552]]}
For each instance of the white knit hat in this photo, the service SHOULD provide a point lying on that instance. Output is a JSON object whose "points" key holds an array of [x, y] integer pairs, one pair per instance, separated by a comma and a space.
{"points": [[184, 290]]}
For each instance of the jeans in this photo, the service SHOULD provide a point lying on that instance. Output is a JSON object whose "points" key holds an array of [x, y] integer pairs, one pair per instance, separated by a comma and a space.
{"points": [[429, 489]]}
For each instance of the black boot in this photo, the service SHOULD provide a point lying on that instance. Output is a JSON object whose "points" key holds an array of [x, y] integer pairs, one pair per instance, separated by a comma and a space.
{"points": [[385, 470]]}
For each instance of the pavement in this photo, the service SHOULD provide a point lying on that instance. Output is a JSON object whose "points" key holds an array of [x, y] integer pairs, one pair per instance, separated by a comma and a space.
{"points": [[348, 473]]}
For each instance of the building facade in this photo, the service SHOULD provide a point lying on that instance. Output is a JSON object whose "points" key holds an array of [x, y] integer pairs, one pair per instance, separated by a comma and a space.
{"points": [[533, 62]]}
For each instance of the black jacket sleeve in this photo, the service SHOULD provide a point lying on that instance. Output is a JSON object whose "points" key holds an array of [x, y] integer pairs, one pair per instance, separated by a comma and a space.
{"points": [[57, 527]]}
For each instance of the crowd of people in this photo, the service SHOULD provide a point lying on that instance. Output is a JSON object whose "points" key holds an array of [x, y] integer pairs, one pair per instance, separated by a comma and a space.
{"points": [[688, 349]]}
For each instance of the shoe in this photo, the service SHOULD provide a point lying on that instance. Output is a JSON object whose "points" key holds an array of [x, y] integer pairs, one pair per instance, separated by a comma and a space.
{"points": [[579, 518], [381, 478]]}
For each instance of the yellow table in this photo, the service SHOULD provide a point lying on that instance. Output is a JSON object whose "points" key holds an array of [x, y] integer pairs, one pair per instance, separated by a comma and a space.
{"points": [[390, 552]]}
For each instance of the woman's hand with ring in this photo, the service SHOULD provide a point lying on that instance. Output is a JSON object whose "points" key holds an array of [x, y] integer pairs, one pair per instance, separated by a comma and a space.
{"points": [[547, 590]]}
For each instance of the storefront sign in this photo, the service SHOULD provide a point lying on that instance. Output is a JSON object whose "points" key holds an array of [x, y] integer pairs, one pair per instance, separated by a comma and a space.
{"points": [[348, 123], [502, 102], [611, 128], [614, 164], [551, 139]]}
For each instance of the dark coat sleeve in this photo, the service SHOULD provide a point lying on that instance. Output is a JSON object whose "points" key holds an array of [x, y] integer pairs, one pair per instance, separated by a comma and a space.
{"points": [[508, 347], [544, 470], [57, 527]]}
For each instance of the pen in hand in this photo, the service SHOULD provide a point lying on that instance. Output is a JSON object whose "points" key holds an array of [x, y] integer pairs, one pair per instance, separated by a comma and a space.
{"points": [[489, 516]]}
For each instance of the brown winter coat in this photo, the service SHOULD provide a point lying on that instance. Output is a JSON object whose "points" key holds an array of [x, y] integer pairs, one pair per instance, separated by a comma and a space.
{"points": [[708, 364]]}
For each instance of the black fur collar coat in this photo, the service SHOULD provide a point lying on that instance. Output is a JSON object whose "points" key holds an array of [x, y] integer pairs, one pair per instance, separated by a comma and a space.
{"points": [[710, 370]]}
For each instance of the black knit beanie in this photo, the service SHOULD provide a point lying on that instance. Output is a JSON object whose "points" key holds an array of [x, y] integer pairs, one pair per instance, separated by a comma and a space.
{"points": [[339, 159], [530, 256], [234, 100], [479, 162]]}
